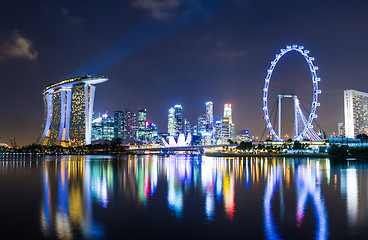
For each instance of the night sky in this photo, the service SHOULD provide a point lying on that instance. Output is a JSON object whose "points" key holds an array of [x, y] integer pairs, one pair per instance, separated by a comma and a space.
{"points": [[216, 50]]}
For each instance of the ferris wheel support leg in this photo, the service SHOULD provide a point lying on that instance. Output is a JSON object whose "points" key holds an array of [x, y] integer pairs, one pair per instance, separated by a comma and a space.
{"points": [[296, 117], [279, 128]]}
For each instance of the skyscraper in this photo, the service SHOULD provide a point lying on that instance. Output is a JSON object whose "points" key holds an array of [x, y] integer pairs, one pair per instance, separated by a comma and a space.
{"points": [[225, 129], [218, 130], [68, 111], [107, 127], [209, 112], [118, 124], [130, 125], [188, 127], [356, 113], [179, 119], [227, 112], [141, 127], [202, 123], [171, 122], [175, 120]]}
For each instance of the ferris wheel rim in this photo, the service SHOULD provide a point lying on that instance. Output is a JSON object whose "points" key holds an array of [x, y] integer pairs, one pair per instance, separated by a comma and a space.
{"points": [[315, 79]]}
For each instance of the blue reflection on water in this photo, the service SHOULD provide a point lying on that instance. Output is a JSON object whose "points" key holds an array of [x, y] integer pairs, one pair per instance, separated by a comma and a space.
{"points": [[74, 206], [307, 186]]}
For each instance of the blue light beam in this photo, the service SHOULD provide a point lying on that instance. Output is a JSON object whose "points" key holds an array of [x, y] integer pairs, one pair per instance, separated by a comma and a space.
{"points": [[146, 33]]}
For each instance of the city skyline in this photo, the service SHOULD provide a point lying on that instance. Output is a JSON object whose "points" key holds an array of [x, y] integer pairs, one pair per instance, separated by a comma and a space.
{"points": [[220, 56]]}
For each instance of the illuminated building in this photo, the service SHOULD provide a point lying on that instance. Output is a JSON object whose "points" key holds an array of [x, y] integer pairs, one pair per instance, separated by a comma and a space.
{"points": [[179, 119], [225, 129], [130, 124], [68, 111], [181, 142], [218, 130], [209, 112], [118, 124], [171, 122], [243, 136], [97, 129], [175, 121], [227, 112], [356, 113], [188, 127], [150, 132], [141, 127], [107, 127], [202, 123], [103, 128]]}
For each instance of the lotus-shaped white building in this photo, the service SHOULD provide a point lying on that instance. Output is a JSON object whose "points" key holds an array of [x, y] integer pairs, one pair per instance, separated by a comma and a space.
{"points": [[181, 142]]}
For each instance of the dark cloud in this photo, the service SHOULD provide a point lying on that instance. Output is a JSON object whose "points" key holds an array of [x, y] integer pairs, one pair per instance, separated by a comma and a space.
{"points": [[77, 21], [160, 9], [17, 46]]}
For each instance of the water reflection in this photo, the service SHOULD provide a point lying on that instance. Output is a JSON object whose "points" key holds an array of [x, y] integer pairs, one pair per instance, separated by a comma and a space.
{"points": [[289, 197], [307, 184], [71, 190]]}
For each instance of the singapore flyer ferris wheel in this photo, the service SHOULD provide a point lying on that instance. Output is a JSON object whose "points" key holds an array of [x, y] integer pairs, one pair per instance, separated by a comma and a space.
{"points": [[303, 128]]}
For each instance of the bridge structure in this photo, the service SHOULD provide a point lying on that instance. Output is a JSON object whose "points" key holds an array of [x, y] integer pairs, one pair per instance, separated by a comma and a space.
{"points": [[194, 149]]}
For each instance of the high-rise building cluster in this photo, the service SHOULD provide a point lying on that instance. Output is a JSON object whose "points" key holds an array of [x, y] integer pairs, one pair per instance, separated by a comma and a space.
{"points": [[206, 130], [356, 113], [126, 125]]}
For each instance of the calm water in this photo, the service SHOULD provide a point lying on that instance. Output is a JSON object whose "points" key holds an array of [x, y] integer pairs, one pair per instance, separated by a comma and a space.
{"points": [[105, 197]]}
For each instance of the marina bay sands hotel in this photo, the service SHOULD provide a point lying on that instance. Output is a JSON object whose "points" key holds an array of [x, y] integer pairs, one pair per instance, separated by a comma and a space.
{"points": [[68, 111]]}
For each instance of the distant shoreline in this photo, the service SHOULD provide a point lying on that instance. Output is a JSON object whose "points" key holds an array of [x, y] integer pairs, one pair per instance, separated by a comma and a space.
{"points": [[316, 155], [218, 154]]}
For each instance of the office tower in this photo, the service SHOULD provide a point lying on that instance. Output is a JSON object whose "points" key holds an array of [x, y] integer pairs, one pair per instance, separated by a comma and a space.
{"points": [[356, 113], [118, 124], [107, 127], [202, 123], [209, 112], [175, 121], [68, 111], [171, 122], [218, 131], [188, 127], [103, 128], [141, 124], [179, 119], [130, 125], [225, 129], [227, 112], [151, 132], [341, 130], [96, 129]]}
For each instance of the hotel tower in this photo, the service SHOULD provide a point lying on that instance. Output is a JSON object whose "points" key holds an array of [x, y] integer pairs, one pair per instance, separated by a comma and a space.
{"points": [[356, 113], [68, 111]]}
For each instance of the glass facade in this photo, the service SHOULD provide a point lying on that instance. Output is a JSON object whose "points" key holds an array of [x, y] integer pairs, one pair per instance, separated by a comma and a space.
{"points": [[130, 125], [171, 122], [118, 125], [209, 112], [141, 129], [179, 119], [356, 113]]}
